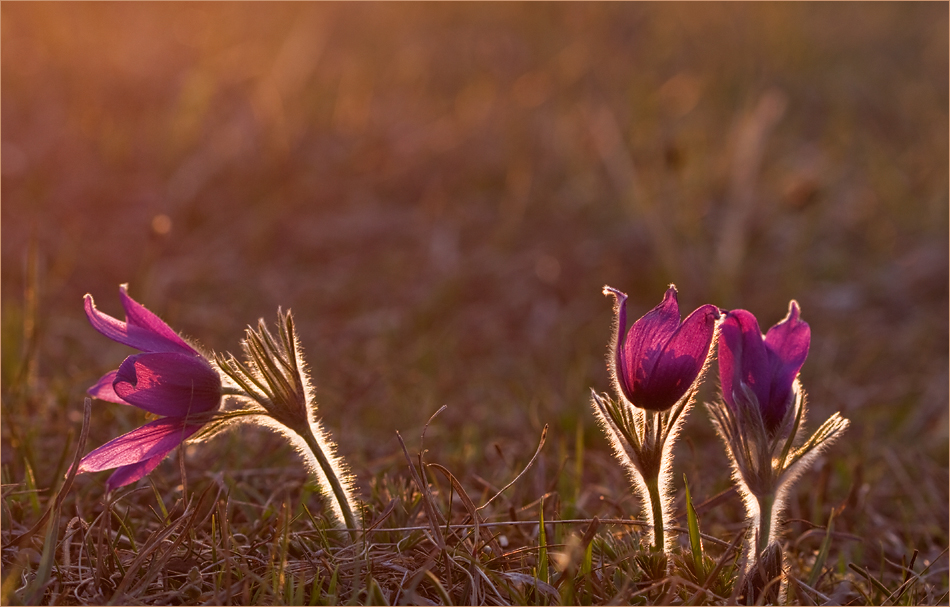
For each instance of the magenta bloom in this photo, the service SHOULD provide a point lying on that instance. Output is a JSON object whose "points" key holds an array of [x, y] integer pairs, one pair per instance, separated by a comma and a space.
{"points": [[659, 358], [767, 365], [169, 378]]}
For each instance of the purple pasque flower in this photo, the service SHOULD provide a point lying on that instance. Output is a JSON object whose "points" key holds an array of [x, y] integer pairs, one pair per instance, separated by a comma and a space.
{"points": [[659, 358], [767, 365], [169, 378]]}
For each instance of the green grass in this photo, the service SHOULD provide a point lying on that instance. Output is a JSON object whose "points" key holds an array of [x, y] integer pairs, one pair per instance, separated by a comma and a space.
{"points": [[439, 193]]}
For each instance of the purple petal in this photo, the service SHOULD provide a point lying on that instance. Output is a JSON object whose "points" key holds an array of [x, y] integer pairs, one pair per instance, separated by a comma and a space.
{"points": [[154, 439], [125, 475], [168, 383], [620, 309], [787, 343], [103, 389], [645, 341], [136, 336], [680, 361], [743, 356], [138, 315]]}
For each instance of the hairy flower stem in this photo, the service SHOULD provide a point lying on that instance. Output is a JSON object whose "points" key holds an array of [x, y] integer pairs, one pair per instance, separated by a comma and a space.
{"points": [[274, 377], [766, 509], [656, 503], [338, 492]]}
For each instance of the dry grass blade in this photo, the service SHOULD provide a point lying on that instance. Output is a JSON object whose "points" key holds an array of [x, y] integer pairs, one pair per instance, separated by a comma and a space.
{"points": [[911, 577], [470, 506], [415, 577], [22, 539], [870, 578], [37, 587], [425, 428], [677, 581], [146, 551], [710, 503], [130, 583], [530, 523], [804, 597], [426, 497], [382, 516], [533, 582], [544, 433], [715, 571]]}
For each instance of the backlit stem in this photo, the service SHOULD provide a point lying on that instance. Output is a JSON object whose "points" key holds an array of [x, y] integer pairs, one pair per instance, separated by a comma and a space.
{"points": [[338, 492], [766, 507], [653, 487]]}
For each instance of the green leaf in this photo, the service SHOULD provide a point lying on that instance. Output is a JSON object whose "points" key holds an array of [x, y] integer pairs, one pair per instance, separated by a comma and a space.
{"points": [[158, 498], [374, 594], [695, 541], [31, 490], [587, 563], [443, 593], [37, 587], [316, 589], [331, 590], [823, 553]]}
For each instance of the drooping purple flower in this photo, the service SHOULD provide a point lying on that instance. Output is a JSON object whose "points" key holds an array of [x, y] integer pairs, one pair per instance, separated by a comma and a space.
{"points": [[169, 378], [767, 364], [659, 358]]}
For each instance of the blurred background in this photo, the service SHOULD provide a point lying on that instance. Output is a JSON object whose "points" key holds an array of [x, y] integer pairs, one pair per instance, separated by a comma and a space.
{"points": [[439, 193]]}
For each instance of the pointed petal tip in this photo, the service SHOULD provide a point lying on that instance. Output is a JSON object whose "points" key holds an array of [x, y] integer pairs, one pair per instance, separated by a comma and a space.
{"points": [[794, 310], [154, 333], [617, 293], [126, 298], [124, 294], [89, 305], [670, 300], [792, 322]]}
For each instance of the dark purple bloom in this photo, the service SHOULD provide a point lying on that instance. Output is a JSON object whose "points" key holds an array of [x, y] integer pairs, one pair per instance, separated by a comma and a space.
{"points": [[767, 365], [170, 378], [659, 358]]}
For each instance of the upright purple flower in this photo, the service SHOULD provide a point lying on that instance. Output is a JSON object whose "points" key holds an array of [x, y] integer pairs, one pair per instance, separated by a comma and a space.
{"points": [[655, 367], [170, 378], [766, 365], [759, 419], [659, 358]]}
